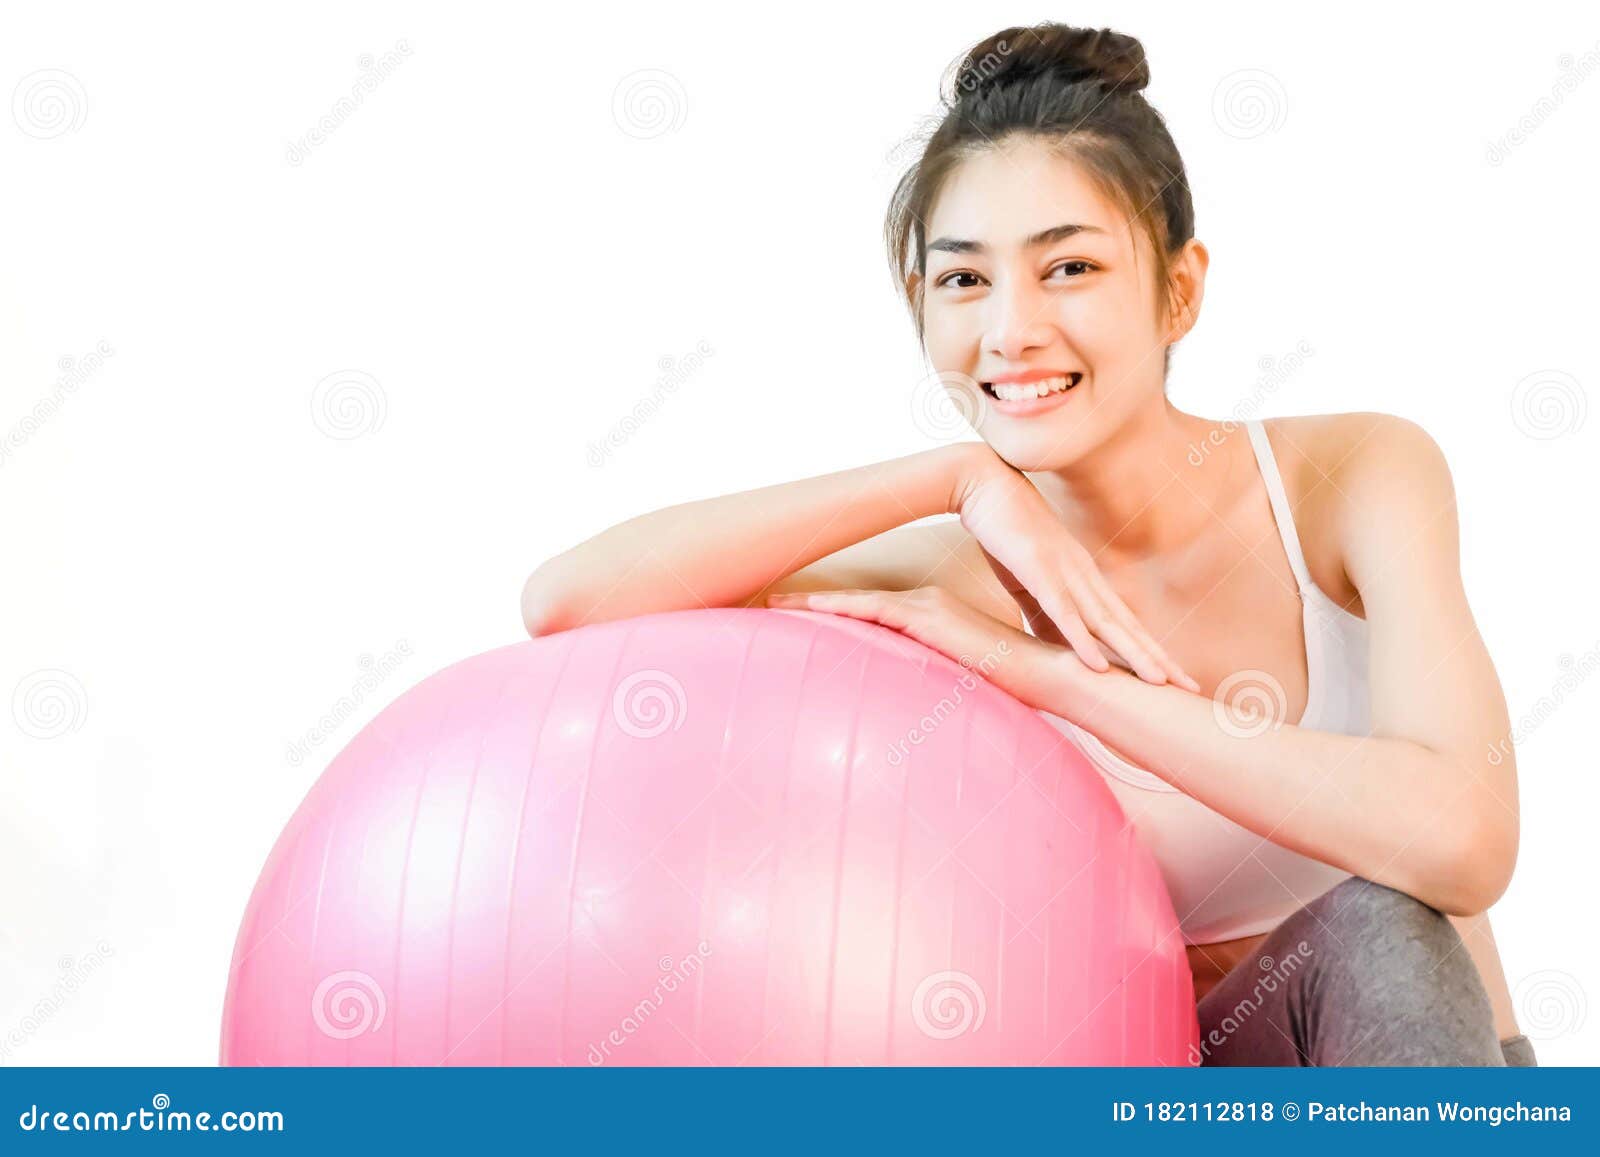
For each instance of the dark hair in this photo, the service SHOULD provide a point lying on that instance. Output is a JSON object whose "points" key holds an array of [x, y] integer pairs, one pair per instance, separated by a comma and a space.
{"points": [[1079, 88]]}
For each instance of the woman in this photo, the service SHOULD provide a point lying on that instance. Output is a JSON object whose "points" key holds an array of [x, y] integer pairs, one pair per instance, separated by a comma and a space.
{"points": [[1317, 791]]}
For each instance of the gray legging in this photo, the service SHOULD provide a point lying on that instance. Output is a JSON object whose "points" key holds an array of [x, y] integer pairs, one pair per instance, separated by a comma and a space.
{"points": [[1362, 975]]}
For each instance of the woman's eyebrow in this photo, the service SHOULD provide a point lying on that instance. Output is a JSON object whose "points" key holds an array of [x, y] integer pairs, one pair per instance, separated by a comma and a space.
{"points": [[1043, 237]]}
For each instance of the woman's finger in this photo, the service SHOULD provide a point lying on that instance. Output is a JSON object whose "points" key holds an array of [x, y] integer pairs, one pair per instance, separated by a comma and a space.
{"points": [[879, 606], [1033, 579], [1123, 614], [1081, 593], [1090, 591], [949, 625], [1112, 620], [1073, 629]]}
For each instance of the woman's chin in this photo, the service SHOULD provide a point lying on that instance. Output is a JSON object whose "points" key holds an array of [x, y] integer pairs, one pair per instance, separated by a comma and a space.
{"points": [[1034, 451]]}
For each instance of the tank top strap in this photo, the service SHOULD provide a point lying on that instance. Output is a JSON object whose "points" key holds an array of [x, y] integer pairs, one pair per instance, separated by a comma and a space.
{"points": [[1280, 503]]}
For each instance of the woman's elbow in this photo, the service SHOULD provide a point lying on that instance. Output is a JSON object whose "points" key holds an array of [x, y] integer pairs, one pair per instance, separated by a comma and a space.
{"points": [[541, 613], [1482, 869]]}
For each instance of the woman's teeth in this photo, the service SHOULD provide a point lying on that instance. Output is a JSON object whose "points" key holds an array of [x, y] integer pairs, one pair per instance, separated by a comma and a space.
{"points": [[1013, 392]]}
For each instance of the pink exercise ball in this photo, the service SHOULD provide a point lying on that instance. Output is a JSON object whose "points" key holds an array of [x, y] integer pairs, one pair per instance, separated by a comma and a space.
{"points": [[732, 836]]}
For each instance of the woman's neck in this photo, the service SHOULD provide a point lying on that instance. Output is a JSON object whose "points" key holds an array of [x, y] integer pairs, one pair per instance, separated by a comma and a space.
{"points": [[1152, 488]]}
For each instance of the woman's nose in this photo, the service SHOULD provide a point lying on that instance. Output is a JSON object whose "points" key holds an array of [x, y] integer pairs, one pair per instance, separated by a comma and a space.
{"points": [[1017, 320]]}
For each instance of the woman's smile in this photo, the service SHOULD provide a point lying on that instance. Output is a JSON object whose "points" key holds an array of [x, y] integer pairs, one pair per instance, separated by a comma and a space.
{"points": [[1023, 399]]}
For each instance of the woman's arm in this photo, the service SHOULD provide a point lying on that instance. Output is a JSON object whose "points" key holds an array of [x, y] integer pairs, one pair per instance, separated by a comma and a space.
{"points": [[1427, 804], [1421, 805], [730, 550], [739, 549]]}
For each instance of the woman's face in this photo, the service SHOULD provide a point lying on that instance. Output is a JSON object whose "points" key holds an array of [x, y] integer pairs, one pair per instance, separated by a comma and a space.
{"points": [[1031, 271]]}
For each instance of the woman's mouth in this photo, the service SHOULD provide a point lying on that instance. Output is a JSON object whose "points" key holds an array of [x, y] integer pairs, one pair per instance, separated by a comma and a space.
{"points": [[1030, 397]]}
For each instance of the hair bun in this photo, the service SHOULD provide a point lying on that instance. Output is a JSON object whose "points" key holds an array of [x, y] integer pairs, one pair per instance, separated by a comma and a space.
{"points": [[1114, 61]]}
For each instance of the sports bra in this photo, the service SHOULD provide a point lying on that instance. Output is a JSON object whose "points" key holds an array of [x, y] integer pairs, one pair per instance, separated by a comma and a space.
{"points": [[1225, 881]]}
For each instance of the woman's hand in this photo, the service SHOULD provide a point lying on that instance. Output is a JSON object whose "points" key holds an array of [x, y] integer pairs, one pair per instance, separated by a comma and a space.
{"points": [[1052, 577], [1026, 668]]}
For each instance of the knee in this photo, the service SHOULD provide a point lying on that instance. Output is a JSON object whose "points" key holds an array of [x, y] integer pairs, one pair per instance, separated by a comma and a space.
{"points": [[1359, 903], [1385, 940]]}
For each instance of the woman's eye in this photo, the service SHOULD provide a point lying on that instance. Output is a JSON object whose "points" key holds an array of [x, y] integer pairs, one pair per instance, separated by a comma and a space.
{"points": [[951, 280], [1083, 265]]}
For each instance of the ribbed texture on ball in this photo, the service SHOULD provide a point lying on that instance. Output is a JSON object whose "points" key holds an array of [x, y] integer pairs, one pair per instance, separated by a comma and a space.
{"points": [[727, 837]]}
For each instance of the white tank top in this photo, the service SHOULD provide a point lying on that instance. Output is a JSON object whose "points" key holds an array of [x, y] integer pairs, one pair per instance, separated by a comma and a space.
{"points": [[1226, 881]]}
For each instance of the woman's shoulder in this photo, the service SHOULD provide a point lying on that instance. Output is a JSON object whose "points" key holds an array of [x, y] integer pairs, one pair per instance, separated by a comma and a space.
{"points": [[1328, 442], [1341, 472], [1364, 451]]}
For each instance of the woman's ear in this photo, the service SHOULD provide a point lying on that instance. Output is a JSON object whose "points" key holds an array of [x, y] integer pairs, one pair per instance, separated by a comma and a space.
{"points": [[1186, 287]]}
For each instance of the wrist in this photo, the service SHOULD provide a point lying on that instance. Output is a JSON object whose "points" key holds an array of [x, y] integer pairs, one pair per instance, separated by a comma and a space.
{"points": [[970, 463], [1068, 682], [1079, 691]]}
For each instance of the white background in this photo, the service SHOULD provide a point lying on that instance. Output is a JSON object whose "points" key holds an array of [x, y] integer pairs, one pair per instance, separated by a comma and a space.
{"points": [[509, 250]]}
